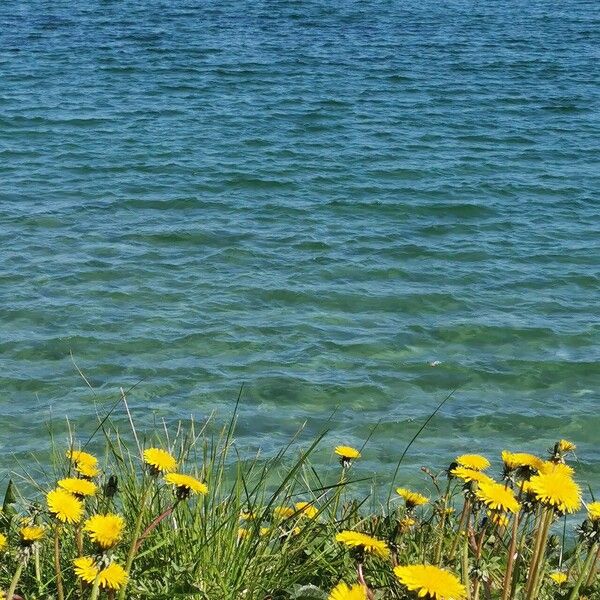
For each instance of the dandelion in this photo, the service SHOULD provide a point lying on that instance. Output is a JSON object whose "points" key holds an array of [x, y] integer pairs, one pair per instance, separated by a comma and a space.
{"points": [[105, 530], [346, 454], [263, 531], [112, 577], [243, 533], [559, 468], [557, 490], [564, 446], [469, 475], [558, 577], [406, 523], [411, 499], [247, 515], [78, 487], [159, 461], [430, 582], [64, 506], [306, 509], [473, 461], [497, 518], [346, 592], [283, 512], [594, 511], [85, 464], [185, 485], [3, 541], [520, 460], [31, 534], [497, 497], [366, 543]]}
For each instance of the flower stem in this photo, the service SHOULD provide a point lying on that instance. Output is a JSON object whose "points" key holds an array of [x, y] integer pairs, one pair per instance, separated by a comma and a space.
{"points": [[60, 594], [538, 553], [95, 588], [15, 580], [584, 571], [507, 583], [464, 518], [592, 574]]}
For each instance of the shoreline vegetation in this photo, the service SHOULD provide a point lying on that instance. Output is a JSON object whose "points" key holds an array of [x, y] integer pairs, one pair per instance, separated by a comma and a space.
{"points": [[184, 515]]}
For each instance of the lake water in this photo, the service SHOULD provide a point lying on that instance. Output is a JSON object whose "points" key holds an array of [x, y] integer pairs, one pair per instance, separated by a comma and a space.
{"points": [[316, 199]]}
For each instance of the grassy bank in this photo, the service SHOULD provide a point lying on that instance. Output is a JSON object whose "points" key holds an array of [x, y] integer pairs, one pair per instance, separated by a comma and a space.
{"points": [[184, 515]]}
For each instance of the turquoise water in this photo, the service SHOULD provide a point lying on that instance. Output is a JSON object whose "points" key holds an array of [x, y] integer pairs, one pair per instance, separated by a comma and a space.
{"points": [[315, 199]]}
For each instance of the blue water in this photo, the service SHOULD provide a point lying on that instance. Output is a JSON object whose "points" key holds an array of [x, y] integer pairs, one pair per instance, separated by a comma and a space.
{"points": [[316, 199]]}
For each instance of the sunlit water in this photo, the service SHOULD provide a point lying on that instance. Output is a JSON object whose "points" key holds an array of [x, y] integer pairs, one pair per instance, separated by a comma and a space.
{"points": [[315, 199]]}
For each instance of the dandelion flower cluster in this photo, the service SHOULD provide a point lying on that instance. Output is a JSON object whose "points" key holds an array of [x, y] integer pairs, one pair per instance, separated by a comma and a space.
{"points": [[354, 539], [105, 530], [431, 582], [185, 484], [31, 533], [497, 497], [64, 506], [112, 577], [473, 461], [159, 460], [343, 591], [557, 490]]}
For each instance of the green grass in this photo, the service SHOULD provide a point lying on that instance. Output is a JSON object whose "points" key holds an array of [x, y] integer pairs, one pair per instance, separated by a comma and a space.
{"points": [[203, 548]]}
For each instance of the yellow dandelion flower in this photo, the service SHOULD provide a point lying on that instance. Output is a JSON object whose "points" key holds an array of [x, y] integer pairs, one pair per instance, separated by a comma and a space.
{"points": [[354, 539], [406, 523], [3, 541], [593, 511], [87, 470], [431, 582], [283, 512], [347, 452], [557, 490], [497, 518], [31, 533], [411, 499], [247, 515], [564, 446], [243, 533], [64, 506], [469, 475], [346, 592], [77, 456], [185, 484], [264, 531], [306, 509], [105, 530], [473, 461], [111, 577], [560, 468], [526, 488], [78, 487], [519, 460], [159, 460], [497, 497], [558, 577]]}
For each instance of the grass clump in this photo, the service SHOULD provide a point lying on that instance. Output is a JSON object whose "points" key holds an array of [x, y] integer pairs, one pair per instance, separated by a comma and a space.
{"points": [[188, 517]]}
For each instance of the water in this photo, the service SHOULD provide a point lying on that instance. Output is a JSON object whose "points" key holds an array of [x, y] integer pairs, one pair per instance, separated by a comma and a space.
{"points": [[316, 199]]}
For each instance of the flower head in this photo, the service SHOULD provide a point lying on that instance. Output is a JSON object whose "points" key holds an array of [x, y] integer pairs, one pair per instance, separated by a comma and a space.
{"points": [[185, 484], [111, 577], [552, 467], [283, 512], [3, 541], [497, 497], [31, 533], [557, 490], [85, 464], [594, 511], [497, 518], [346, 454], [306, 509], [469, 475], [105, 530], [159, 460], [411, 499], [78, 487], [430, 582], [346, 592], [64, 506], [354, 539], [473, 461], [558, 577], [520, 460], [564, 446]]}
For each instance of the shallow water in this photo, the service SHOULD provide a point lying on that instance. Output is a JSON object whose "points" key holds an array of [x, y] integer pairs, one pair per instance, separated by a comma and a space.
{"points": [[315, 199]]}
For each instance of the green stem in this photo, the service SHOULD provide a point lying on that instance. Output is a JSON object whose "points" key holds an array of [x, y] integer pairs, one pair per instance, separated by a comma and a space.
{"points": [[465, 568], [592, 574], [96, 588], [134, 539], [584, 570], [539, 551], [60, 594], [15, 580], [464, 518], [507, 583]]}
